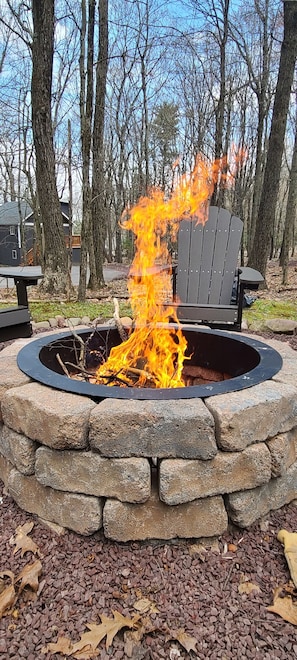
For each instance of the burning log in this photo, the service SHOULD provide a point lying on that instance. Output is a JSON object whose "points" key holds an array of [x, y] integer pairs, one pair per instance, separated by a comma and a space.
{"points": [[197, 375]]}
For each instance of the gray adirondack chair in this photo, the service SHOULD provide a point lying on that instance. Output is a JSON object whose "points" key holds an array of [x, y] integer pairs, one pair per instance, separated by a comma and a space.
{"points": [[207, 272]]}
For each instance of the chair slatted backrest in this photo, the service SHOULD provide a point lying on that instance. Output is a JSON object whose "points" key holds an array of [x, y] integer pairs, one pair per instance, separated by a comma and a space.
{"points": [[207, 258]]}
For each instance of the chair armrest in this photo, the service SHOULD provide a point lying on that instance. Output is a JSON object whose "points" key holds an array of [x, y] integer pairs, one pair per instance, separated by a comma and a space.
{"points": [[249, 278]]}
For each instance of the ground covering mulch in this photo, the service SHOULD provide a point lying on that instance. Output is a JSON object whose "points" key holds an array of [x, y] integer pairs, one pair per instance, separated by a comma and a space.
{"points": [[214, 599], [194, 600]]}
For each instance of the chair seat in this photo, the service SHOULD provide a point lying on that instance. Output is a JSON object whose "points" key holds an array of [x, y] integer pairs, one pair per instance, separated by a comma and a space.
{"points": [[207, 313]]}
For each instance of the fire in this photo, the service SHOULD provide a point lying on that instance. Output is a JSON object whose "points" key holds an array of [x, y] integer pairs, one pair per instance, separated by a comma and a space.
{"points": [[155, 353]]}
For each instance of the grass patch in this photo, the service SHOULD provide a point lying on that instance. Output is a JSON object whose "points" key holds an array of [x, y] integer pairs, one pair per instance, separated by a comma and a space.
{"points": [[43, 310], [271, 309]]}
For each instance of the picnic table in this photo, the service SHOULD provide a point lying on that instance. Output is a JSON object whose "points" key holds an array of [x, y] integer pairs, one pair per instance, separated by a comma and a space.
{"points": [[16, 321]]}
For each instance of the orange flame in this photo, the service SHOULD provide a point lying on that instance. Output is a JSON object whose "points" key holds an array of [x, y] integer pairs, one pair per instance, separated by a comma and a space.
{"points": [[153, 351]]}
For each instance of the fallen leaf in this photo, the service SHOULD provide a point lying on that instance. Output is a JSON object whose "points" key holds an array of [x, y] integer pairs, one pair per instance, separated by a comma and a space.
{"points": [[248, 587], [86, 647], [245, 586], [3, 575], [289, 540], [22, 541], [198, 549], [145, 605], [117, 623], [285, 607], [7, 600], [188, 642], [63, 645], [29, 576]]}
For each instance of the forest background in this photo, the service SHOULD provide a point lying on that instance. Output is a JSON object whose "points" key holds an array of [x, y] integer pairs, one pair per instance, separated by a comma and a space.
{"points": [[101, 100]]}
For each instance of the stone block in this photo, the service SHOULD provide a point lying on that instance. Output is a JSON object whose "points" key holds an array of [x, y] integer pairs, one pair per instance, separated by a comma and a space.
{"points": [[156, 520], [5, 469], [41, 325], [186, 480], [73, 322], [18, 449], [11, 375], [161, 429], [283, 348], [253, 415], [11, 350], [288, 372], [283, 450], [246, 507], [128, 479], [81, 513], [281, 326], [53, 418]]}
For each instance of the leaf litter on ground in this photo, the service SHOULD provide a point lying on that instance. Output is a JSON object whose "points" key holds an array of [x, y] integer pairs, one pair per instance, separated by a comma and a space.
{"points": [[27, 580], [22, 541]]}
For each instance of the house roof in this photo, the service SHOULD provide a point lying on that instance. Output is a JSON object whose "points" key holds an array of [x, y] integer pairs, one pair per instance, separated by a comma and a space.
{"points": [[10, 212]]}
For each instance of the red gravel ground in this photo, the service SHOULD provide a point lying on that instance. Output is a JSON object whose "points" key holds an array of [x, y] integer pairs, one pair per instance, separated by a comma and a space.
{"points": [[192, 589]]}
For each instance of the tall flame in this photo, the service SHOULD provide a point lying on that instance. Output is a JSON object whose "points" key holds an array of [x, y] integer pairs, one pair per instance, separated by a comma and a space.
{"points": [[153, 351]]}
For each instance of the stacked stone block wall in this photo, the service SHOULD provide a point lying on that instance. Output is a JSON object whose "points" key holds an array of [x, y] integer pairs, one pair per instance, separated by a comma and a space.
{"points": [[149, 469]]}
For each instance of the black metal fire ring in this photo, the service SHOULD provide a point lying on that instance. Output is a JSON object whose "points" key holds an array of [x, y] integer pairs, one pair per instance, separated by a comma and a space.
{"points": [[265, 361]]}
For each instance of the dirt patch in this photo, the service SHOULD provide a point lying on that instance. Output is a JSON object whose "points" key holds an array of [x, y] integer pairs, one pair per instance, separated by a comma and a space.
{"points": [[275, 289]]}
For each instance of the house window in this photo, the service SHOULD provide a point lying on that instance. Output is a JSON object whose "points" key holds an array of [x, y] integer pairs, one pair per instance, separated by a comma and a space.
{"points": [[14, 254], [12, 230]]}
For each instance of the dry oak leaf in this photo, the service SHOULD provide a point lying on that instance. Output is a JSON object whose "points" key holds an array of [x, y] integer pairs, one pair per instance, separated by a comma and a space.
{"points": [[289, 540], [188, 642], [245, 586], [29, 576], [143, 605], [89, 641], [22, 541], [8, 595], [248, 587], [63, 645], [285, 607]]}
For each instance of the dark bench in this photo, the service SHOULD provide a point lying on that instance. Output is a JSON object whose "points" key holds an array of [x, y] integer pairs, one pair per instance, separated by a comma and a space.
{"points": [[16, 321]]}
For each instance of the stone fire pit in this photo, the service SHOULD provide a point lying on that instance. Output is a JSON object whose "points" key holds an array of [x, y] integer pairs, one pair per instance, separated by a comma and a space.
{"points": [[87, 465]]}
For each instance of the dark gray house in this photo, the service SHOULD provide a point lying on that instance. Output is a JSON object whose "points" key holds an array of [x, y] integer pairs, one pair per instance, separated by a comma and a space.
{"points": [[17, 231]]}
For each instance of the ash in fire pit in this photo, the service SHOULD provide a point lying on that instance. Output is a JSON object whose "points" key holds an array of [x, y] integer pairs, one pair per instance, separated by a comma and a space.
{"points": [[241, 361]]}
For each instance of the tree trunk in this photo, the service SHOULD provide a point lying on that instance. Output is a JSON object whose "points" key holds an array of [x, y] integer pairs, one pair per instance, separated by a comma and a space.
{"points": [[86, 115], [291, 211], [98, 181], [218, 193], [267, 208], [56, 274]]}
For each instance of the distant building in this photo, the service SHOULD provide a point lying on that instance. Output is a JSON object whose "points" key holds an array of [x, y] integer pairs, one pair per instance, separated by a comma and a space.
{"points": [[17, 232]]}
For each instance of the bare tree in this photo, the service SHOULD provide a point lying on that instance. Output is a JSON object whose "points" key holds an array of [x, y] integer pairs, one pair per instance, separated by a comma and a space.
{"points": [[267, 208], [291, 213], [56, 273], [98, 181], [86, 62], [255, 39]]}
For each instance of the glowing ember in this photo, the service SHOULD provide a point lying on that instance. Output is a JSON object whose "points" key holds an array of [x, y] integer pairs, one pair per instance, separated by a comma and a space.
{"points": [[153, 355]]}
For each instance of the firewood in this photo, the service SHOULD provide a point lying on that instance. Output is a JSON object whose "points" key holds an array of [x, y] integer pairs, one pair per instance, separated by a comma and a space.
{"points": [[61, 363], [140, 372], [118, 322]]}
